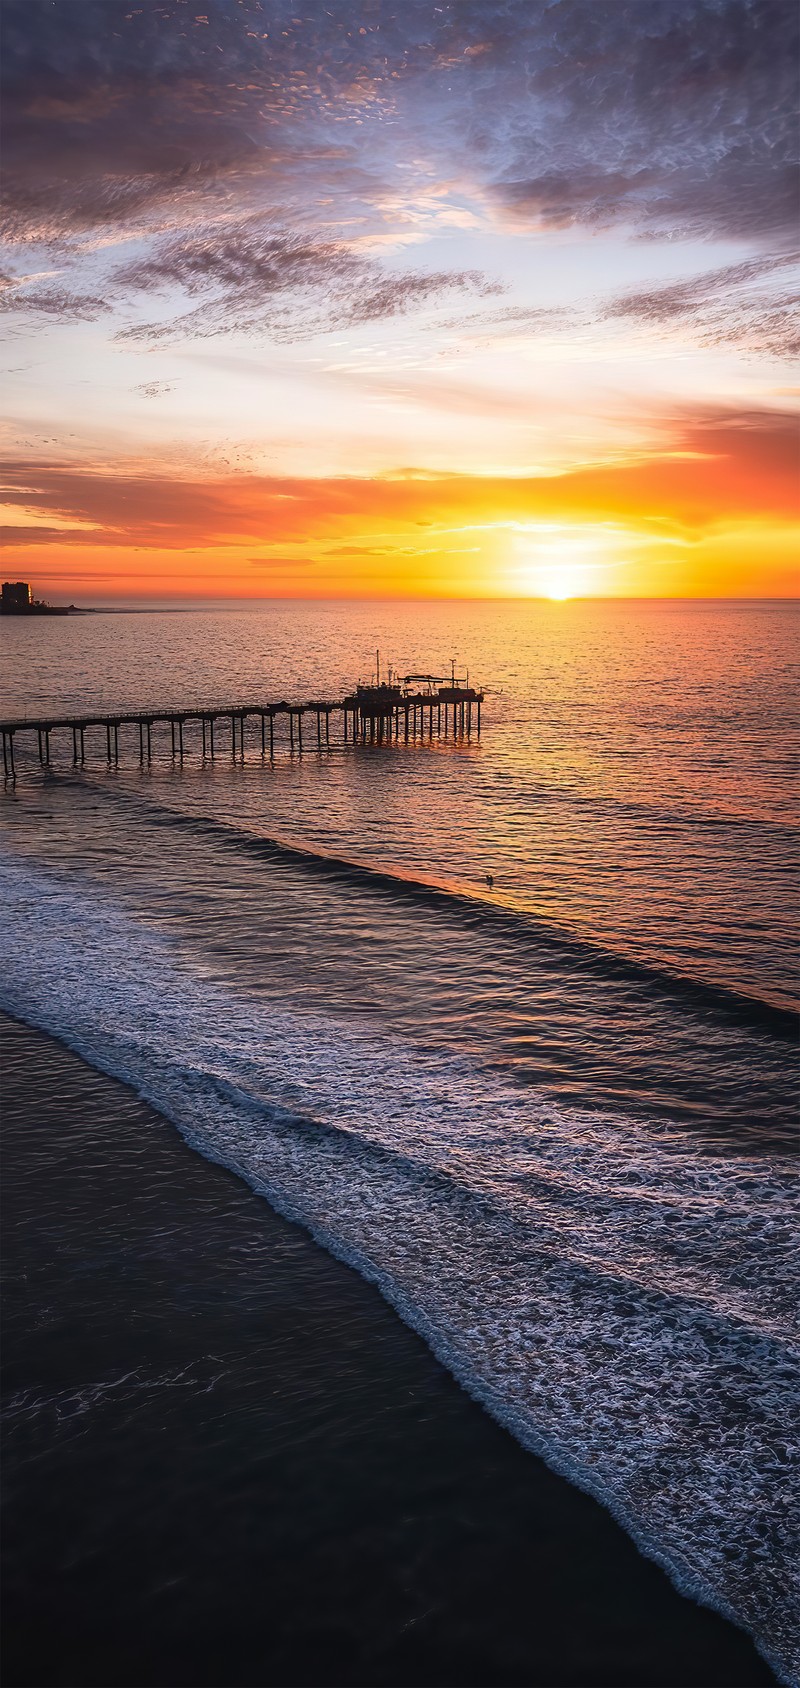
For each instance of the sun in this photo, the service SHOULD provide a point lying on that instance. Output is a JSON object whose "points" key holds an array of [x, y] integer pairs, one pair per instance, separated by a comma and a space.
{"points": [[557, 561], [559, 582]]}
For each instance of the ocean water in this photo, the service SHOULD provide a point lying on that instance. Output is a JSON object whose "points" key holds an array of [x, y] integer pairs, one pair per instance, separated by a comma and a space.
{"points": [[554, 1122]]}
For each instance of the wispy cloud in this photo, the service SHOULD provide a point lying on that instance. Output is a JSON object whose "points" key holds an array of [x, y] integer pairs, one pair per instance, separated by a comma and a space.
{"points": [[252, 277], [738, 305]]}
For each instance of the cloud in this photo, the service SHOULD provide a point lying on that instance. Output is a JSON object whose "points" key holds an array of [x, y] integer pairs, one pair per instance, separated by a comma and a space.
{"points": [[711, 466], [253, 276], [736, 305], [154, 389], [672, 116], [10, 534], [56, 302], [511, 322]]}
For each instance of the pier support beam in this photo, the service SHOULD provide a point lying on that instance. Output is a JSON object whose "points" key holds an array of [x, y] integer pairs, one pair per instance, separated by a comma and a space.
{"points": [[9, 770], [374, 718]]}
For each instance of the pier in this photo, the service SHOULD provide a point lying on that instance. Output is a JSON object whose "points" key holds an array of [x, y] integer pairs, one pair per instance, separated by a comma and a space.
{"points": [[416, 707]]}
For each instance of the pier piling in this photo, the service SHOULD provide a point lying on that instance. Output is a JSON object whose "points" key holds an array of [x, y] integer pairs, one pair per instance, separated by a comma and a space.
{"points": [[372, 714]]}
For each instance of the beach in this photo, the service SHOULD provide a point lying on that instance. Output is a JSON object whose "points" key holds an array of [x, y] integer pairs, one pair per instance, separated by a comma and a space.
{"points": [[229, 1462]]}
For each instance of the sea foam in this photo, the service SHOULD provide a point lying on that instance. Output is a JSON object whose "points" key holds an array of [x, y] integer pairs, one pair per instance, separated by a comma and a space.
{"points": [[620, 1300]]}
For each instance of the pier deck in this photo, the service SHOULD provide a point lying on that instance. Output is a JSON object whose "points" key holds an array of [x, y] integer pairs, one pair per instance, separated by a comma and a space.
{"points": [[373, 714]]}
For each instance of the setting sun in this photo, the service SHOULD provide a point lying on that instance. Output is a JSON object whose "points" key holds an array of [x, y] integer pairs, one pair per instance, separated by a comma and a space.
{"points": [[561, 584], [560, 562]]}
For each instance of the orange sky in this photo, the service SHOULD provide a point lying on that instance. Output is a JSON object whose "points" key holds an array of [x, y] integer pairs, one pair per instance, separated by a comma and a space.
{"points": [[714, 513]]}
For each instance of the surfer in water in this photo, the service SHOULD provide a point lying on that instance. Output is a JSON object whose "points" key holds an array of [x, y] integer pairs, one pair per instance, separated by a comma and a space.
{"points": [[490, 881]]}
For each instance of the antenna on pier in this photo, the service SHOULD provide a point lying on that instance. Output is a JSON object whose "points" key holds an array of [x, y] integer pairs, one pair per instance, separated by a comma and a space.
{"points": [[377, 668]]}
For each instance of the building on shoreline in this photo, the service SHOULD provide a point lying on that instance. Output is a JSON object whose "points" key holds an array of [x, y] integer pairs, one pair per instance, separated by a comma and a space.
{"points": [[16, 598]]}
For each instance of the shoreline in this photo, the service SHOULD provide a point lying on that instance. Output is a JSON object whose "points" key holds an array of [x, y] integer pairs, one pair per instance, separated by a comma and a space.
{"points": [[229, 1461]]}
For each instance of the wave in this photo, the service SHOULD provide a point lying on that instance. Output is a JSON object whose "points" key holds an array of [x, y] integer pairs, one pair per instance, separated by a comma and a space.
{"points": [[585, 956], [620, 1302]]}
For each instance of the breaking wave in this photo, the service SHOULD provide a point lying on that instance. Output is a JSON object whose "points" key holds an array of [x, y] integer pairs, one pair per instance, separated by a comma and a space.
{"points": [[620, 1301]]}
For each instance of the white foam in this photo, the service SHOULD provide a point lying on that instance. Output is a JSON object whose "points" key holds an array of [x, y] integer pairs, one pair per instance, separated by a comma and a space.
{"points": [[622, 1302]]}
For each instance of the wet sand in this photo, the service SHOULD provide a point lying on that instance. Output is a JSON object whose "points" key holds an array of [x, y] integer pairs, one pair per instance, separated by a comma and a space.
{"points": [[227, 1462]]}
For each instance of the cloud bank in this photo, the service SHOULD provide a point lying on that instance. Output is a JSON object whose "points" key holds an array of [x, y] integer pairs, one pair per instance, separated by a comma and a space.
{"points": [[716, 465], [250, 150]]}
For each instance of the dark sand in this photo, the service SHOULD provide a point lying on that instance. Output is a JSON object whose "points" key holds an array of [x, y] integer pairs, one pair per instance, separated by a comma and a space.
{"points": [[227, 1461]]}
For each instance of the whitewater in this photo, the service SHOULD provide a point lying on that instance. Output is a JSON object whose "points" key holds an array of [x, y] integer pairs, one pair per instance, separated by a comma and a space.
{"points": [[619, 1295]]}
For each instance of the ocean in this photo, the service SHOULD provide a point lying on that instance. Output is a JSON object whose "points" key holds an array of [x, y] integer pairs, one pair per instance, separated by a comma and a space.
{"points": [[554, 1120]]}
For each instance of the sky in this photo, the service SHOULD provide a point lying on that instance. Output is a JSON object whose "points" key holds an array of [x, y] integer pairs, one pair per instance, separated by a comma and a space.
{"points": [[493, 298]]}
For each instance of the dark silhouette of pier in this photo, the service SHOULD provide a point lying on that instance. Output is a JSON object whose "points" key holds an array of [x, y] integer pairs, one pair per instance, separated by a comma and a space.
{"points": [[417, 707]]}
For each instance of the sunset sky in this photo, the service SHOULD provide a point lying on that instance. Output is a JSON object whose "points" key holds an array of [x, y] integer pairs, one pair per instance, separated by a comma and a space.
{"points": [[488, 298]]}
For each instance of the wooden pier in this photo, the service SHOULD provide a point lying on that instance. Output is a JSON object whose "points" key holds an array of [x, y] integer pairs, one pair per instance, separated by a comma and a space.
{"points": [[374, 714]]}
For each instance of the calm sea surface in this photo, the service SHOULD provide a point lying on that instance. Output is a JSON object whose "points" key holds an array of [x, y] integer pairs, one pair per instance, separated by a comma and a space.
{"points": [[553, 1121]]}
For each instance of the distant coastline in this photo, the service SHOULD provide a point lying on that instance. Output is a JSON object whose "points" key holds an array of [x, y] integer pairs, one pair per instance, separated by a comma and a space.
{"points": [[17, 599], [37, 610]]}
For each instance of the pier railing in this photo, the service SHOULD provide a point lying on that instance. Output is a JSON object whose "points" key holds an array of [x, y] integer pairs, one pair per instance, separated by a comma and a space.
{"points": [[373, 714]]}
